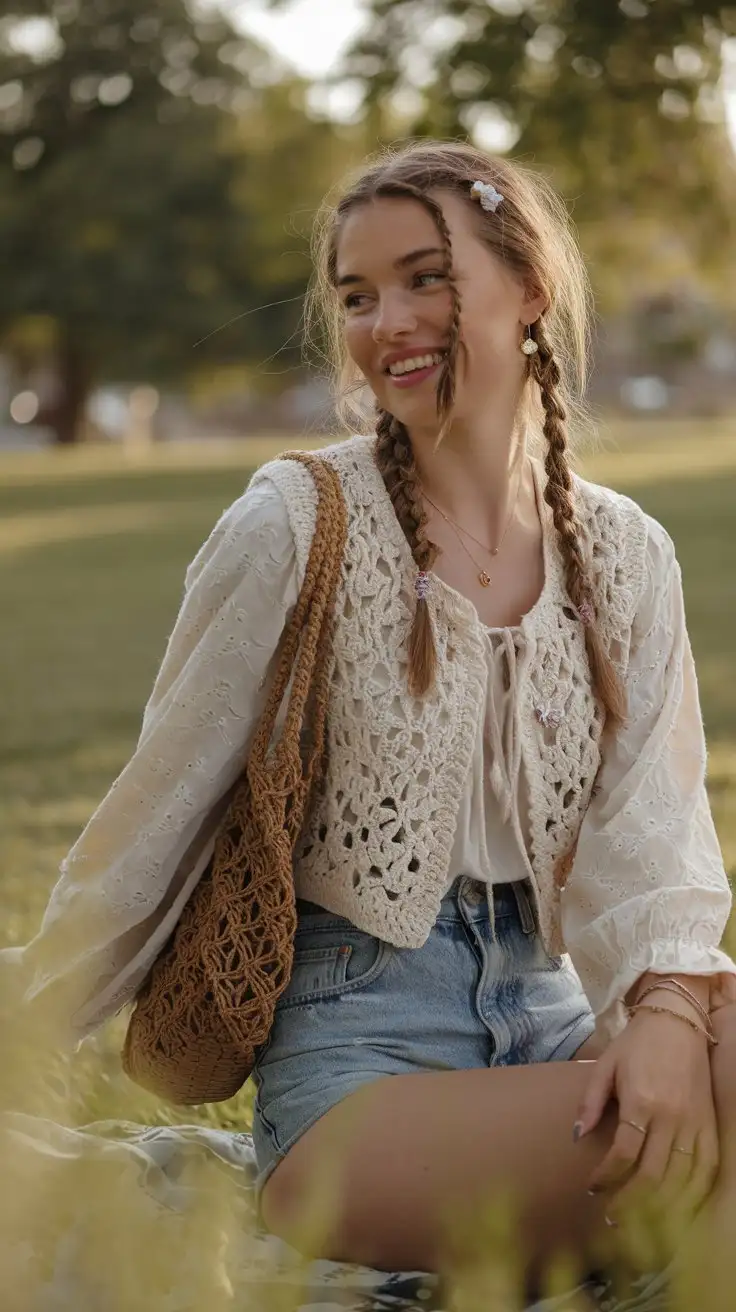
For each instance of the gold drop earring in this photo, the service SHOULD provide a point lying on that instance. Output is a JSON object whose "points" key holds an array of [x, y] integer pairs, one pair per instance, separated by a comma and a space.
{"points": [[529, 346]]}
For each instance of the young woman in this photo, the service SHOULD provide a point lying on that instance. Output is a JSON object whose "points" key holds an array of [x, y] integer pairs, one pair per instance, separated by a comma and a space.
{"points": [[513, 844]]}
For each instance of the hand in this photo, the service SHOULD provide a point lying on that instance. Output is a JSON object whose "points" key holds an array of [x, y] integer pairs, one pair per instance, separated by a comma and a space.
{"points": [[658, 1070]]}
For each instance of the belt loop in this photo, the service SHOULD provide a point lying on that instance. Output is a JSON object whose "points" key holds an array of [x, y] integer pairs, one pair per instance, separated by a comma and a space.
{"points": [[468, 890], [525, 904]]}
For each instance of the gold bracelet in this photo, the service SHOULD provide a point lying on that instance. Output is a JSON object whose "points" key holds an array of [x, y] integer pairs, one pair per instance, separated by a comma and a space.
{"points": [[667, 1011], [688, 993], [672, 986]]}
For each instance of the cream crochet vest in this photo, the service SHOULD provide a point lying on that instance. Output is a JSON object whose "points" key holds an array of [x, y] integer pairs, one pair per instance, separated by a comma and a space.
{"points": [[376, 846]]}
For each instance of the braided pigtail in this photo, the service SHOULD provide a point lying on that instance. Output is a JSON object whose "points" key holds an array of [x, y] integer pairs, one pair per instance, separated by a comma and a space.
{"points": [[396, 463], [395, 459], [559, 496]]}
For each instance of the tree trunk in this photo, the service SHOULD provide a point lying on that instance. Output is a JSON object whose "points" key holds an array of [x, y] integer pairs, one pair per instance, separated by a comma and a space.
{"points": [[65, 413]]}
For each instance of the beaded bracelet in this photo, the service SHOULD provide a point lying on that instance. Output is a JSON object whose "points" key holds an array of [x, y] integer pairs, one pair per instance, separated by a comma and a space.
{"points": [[674, 986], [667, 1011]]}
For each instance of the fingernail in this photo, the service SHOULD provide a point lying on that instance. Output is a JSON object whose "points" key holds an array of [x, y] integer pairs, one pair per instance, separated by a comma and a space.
{"points": [[613, 1224], [593, 1193], [577, 1131]]}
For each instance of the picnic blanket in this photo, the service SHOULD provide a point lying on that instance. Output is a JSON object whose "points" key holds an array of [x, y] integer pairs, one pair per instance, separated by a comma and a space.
{"points": [[120, 1217]]}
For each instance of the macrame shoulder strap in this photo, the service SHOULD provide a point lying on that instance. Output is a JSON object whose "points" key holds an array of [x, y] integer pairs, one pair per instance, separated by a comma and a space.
{"points": [[209, 1000], [306, 644], [268, 809]]}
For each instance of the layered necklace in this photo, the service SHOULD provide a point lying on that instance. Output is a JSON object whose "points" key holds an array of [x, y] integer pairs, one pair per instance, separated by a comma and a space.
{"points": [[484, 577]]}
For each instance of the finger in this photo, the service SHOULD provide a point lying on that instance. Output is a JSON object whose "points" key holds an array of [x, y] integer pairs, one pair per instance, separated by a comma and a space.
{"points": [[704, 1170], [620, 1160], [681, 1164], [598, 1093], [651, 1169]]}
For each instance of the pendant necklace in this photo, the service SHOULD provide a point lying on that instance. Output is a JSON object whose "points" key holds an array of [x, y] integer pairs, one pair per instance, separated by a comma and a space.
{"points": [[484, 577]]}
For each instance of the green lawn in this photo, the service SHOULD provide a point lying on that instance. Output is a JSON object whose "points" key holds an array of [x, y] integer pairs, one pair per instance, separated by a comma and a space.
{"points": [[93, 550]]}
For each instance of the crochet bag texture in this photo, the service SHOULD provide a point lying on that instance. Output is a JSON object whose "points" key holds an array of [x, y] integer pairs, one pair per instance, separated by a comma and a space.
{"points": [[209, 999]]}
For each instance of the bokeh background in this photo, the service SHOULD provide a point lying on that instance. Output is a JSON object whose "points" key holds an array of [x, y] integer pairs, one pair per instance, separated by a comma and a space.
{"points": [[161, 167]]}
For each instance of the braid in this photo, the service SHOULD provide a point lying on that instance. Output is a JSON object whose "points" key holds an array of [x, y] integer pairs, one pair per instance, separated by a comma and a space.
{"points": [[396, 463], [446, 384], [559, 496]]}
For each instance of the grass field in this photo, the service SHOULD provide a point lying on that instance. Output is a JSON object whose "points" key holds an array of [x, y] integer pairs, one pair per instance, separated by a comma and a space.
{"points": [[93, 548]]}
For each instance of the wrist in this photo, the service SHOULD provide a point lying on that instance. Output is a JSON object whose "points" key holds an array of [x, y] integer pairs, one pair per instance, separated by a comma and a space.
{"points": [[665, 1015], [699, 986], [667, 995], [674, 1002]]}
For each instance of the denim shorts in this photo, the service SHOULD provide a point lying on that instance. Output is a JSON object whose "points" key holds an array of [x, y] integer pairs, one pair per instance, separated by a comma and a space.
{"points": [[481, 991]]}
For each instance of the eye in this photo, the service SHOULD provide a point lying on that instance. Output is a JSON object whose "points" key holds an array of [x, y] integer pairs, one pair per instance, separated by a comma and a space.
{"points": [[354, 300]]}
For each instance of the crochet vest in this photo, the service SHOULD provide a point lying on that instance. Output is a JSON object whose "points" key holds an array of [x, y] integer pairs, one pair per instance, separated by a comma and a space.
{"points": [[377, 843]]}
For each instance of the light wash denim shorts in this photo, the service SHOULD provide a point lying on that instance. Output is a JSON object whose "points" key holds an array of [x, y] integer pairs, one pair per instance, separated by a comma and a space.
{"points": [[481, 991]]}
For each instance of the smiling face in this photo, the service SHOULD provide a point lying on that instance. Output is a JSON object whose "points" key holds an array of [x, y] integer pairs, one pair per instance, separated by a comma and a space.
{"points": [[397, 306]]}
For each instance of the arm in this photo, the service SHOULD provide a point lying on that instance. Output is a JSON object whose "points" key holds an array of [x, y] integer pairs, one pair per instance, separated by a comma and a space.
{"points": [[125, 881], [648, 891]]}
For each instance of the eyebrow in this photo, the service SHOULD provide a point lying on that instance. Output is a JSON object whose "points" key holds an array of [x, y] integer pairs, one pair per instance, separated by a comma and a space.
{"points": [[402, 263]]}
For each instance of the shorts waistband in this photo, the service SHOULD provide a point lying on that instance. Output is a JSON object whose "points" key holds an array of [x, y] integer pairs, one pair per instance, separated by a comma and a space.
{"points": [[474, 899], [471, 899]]}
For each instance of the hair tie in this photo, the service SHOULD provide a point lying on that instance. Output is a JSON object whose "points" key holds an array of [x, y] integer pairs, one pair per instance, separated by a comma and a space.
{"points": [[422, 584], [486, 193], [585, 612]]}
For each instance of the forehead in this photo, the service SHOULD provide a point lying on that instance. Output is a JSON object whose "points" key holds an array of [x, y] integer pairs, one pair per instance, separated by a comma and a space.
{"points": [[375, 234]]}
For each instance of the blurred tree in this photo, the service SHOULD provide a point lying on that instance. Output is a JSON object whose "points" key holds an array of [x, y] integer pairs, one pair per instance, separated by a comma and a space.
{"points": [[618, 99], [138, 214]]}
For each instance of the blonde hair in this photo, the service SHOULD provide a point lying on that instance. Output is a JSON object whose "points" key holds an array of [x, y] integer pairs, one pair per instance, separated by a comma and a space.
{"points": [[532, 234]]}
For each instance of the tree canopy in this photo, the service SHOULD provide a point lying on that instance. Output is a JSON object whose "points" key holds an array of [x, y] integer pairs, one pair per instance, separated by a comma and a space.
{"points": [[151, 159], [619, 100]]}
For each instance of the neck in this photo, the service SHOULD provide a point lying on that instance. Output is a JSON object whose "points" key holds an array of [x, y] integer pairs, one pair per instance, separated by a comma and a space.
{"points": [[473, 474]]}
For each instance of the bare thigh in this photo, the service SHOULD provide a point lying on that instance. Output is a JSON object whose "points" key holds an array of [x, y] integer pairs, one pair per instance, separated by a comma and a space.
{"points": [[381, 1173]]}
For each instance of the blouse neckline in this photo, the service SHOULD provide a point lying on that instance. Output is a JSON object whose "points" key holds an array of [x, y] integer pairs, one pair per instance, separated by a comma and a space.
{"points": [[390, 519]]}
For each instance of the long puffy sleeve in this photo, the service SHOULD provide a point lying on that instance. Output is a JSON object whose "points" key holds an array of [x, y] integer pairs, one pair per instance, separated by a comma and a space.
{"points": [[124, 883], [648, 890]]}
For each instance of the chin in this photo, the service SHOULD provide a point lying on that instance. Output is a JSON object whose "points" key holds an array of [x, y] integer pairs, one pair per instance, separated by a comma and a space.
{"points": [[410, 409]]}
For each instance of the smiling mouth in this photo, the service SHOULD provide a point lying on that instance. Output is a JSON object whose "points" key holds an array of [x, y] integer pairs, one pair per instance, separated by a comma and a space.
{"points": [[416, 363]]}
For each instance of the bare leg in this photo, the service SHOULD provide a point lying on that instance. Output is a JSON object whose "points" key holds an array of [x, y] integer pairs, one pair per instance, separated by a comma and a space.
{"points": [[410, 1153]]}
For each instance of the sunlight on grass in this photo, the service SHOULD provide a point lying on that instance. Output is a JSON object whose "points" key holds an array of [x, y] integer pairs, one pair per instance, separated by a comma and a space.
{"points": [[24, 531]]}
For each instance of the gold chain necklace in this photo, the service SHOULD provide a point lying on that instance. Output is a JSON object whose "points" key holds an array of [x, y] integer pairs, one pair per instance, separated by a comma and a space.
{"points": [[484, 577]]}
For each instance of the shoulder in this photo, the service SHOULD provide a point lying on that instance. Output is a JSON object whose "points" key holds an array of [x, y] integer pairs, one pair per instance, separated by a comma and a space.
{"points": [[347, 457], [607, 513], [352, 460], [630, 549], [255, 524]]}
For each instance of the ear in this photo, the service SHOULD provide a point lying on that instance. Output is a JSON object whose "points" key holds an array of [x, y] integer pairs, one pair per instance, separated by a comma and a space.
{"points": [[534, 304]]}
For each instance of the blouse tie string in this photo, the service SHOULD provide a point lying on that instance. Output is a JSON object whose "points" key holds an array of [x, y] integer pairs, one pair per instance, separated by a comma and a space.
{"points": [[501, 720]]}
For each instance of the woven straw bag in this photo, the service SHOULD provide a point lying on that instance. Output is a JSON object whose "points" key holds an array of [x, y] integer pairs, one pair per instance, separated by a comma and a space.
{"points": [[209, 999]]}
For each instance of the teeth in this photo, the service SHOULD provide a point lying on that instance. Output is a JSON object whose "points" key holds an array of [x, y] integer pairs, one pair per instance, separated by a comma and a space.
{"points": [[417, 362]]}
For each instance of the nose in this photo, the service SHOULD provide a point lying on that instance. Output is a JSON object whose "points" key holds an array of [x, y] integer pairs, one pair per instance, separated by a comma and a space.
{"points": [[394, 318]]}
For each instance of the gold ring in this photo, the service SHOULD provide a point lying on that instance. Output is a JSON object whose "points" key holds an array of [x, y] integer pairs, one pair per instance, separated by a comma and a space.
{"points": [[689, 1152], [634, 1126]]}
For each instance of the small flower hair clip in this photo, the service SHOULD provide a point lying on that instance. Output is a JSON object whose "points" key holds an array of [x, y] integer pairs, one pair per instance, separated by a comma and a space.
{"points": [[486, 193]]}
